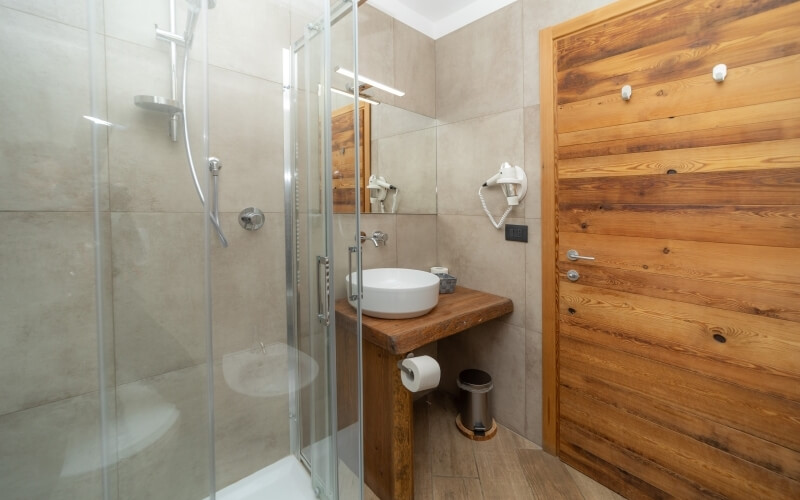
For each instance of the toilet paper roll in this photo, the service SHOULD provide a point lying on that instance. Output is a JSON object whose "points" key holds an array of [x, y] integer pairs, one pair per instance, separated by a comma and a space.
{"points": [[425, 373], [439, 270]]}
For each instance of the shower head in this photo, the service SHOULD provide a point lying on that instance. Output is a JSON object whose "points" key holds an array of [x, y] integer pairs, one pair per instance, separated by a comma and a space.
{"points": [[196, 4], [158, 103], [191, 18]]}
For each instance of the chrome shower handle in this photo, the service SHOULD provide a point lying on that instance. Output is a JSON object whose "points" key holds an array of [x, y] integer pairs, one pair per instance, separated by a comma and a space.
{"points": [[350, 251], [324, 291]]}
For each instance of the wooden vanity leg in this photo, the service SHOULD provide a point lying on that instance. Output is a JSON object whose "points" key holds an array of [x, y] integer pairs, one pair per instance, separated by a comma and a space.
{"points": [[388, 426]]}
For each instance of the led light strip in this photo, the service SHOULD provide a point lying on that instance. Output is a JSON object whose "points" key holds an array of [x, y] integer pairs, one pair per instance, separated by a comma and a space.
{"points": [[369, 81]]}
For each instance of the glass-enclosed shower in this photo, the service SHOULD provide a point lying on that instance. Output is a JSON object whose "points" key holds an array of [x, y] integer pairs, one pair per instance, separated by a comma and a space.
{"points": [[167, 332]]}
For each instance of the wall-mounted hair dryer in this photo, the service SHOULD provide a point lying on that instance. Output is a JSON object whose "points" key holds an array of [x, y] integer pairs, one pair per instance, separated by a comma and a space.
{"points": [[379, 189], [514, 183]]}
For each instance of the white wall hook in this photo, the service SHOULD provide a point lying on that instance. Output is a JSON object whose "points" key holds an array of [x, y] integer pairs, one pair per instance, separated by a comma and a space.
{"points": [[626, 93], [719, 72]]}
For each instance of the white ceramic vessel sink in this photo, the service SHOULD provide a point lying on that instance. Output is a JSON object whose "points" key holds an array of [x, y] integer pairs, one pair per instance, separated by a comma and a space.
{"points": [[395, 293]]}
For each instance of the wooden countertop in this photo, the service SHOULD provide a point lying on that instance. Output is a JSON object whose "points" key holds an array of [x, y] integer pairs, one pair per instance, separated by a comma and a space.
{"points": [[454, 313]]}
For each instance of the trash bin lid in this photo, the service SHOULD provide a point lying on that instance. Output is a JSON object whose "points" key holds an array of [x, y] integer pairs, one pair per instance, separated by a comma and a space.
{"points": [[474, 379]]}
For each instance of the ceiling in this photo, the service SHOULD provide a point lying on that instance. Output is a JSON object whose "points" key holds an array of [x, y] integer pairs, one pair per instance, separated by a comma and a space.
{"points": [[437, 18]]}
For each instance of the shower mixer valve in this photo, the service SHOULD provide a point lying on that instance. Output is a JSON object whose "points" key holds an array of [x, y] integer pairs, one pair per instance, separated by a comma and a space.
{"points": [[251, 218]]}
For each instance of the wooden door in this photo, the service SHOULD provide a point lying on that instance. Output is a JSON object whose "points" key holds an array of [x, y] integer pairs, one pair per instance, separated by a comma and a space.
{"points": [[343, 157], [672, 363]]}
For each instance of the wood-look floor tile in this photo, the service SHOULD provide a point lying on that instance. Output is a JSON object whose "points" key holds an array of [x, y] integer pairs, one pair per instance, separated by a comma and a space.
{"points": [[451, 452], [505, 441], [447, 465], [506, 490], [548, 477], [423, 480], [503, 467], [456, 488], [591, 489]]}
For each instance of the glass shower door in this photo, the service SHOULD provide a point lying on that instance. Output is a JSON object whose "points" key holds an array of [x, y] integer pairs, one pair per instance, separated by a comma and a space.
{"points": [[318, 260], [316, 443]]}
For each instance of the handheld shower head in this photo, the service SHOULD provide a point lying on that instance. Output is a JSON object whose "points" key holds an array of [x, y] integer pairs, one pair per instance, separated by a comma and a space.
{"points": [[191, 18], [196, 4]]}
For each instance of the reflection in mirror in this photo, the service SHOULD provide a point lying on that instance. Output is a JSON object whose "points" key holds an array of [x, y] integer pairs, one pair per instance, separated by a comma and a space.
{"points": [[398, 151]]}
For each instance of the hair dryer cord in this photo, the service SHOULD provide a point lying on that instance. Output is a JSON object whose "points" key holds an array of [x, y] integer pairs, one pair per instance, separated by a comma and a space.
{"points": [[497, 225]]}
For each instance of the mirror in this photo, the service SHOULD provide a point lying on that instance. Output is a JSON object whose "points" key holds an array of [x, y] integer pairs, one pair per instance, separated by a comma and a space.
{"points": [[398, 147]]}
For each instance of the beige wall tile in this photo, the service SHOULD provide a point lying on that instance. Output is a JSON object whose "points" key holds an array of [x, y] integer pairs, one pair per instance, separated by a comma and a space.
{"points": [[247, 36], [533, 163], [176, 464], [134, 22], [470, 152], [537, 15], [388, 121], [415, 69], [477, 254], [47, 287], [479, 67], [408, 161], [249, 285], [45, 450], [246, 134], [498, 349], [533, 275], [416, 241], [158, 293], [533, 386], [251, 430], [375, 50], [71, 12], [45, 144]]}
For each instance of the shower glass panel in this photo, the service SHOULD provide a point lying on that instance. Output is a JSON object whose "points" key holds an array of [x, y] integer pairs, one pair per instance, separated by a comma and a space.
{"points": [[139, 357], [327, 429], [57, 394]]}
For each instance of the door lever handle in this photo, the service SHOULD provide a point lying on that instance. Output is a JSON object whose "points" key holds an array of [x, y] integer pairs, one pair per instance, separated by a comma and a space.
{"points": [[574, 255]]}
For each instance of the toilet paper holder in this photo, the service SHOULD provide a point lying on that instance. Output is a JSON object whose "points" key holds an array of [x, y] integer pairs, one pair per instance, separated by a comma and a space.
{"points": [[404, 368]]}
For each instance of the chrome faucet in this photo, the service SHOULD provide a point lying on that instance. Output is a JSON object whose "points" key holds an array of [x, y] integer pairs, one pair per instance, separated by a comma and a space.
{"points": [[378, 238]]}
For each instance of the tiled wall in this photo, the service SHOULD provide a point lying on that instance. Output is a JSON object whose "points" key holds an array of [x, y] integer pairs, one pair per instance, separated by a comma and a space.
{"points": [[487, 100]]}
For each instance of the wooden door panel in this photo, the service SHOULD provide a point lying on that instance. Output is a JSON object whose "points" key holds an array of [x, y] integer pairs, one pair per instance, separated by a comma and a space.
{"points": [[773, 268], [729, 117], [708, 160], [776, 304], [765, 187], [744, 156], [699, 462], [757, 352], [770, 225], [759, 451], [768, 35], [745, 86], [674, 18], [678, 348], [670, 351], [621, 469], [764, 416]]}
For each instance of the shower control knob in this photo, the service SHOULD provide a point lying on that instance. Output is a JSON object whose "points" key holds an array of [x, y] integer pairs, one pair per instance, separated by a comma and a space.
{"points": [[251, 218]]}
